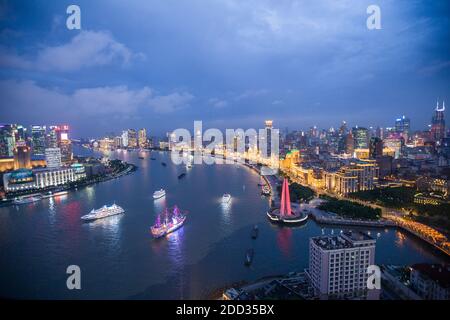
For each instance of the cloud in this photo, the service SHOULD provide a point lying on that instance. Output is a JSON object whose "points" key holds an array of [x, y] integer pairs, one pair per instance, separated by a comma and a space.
{"points": [[31, 100], [218, 103], [86, 49], [171, 102], [251, 94]]}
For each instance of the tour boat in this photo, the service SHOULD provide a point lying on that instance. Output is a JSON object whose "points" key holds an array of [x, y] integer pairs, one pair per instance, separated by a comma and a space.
{"points": [[103, 212], [168, 221], [159, 194], [226, 198]]}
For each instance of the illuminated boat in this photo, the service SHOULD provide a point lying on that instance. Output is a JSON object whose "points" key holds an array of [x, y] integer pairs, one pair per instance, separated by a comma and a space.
{"points": [[249, 257], [28, 199], [266, 190], [226, 198], [168, 221], [159, 194], [103, 212]]}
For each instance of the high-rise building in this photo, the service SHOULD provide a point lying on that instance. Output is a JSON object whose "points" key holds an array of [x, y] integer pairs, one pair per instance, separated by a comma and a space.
{"points": [[361, 137], [124, 138], [375, 147], [268, 128], [349, 143], [22, 156], [53, 157], [7, 140], [338, 265], [402, 126], [38, 140], [51, 139], [132, 138], [142, 138], [438, 124], [64, 143]]}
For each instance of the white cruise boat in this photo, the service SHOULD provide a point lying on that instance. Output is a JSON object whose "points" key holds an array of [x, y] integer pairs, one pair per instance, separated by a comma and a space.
{"points": [[159, 194], [226, 198], [27, 199], [103, 212]]}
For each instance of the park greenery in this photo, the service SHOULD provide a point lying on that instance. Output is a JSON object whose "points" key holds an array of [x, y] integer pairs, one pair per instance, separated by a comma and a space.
{"points": [[349, 209], [298, 193]]}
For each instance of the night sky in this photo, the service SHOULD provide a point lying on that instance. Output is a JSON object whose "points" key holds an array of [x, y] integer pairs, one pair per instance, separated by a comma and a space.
{"points": [[231, 63]]}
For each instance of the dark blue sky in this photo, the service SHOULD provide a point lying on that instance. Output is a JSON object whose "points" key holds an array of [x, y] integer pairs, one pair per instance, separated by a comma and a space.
{"points": [[231, 63]]}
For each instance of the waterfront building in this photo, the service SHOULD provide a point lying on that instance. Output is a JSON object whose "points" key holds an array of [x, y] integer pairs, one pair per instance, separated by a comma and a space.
{"points": [[359, 175], [431, 281], [132, 138], [26, 179], [53, 157], [438, 124], [338, 265], [361, 137], [22, 156], [142, 138], [38, 140], [124, 138]]}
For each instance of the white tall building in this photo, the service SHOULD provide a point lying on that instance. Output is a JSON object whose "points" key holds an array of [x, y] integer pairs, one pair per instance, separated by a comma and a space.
{"points": [[338, 265], [124, 138], [53, 157]]}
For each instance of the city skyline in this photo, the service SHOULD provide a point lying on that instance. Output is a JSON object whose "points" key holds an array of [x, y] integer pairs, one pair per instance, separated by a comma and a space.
{"points": [[298, 63]]}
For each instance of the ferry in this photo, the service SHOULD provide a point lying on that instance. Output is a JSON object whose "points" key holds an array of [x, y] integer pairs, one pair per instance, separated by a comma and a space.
{"points": [[159, 194], [249, 257], [255, 232], [168, 222], [27, 199], [226, 198], [103, 212]]}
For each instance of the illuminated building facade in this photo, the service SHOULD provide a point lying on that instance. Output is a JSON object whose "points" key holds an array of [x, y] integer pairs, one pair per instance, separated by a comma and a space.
{"points": [[38, 140], [7, 140], [438, 124], [53, 157], [22, 156], [132, 138], [142, 138], [361, 137], [402, 127]]}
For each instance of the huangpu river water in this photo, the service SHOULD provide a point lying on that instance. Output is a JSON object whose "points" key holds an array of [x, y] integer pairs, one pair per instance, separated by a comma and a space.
{"points": [[120, 260]]}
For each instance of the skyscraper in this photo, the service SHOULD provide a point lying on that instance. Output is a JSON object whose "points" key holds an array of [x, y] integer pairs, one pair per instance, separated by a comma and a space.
{"points": [[268, 128], [375, 147], [361, 137], [38, 140], [7, 140], [142, 138], [132, 138], [64, 143], [402, 126], [438, 124], [349, 143]]}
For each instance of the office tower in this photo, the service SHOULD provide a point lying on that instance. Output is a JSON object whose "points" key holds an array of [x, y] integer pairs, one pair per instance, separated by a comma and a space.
{"points": [[125, 138], [343, 128], [338, 264], [64, 143], [142, 138], [402, 126], [349, 143], [361, 137], [438, 124], [38, 140], [52, 137], [22, 156], [53, 157], [132, 138], [7, 140], [375, 147], [268, 128]]}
